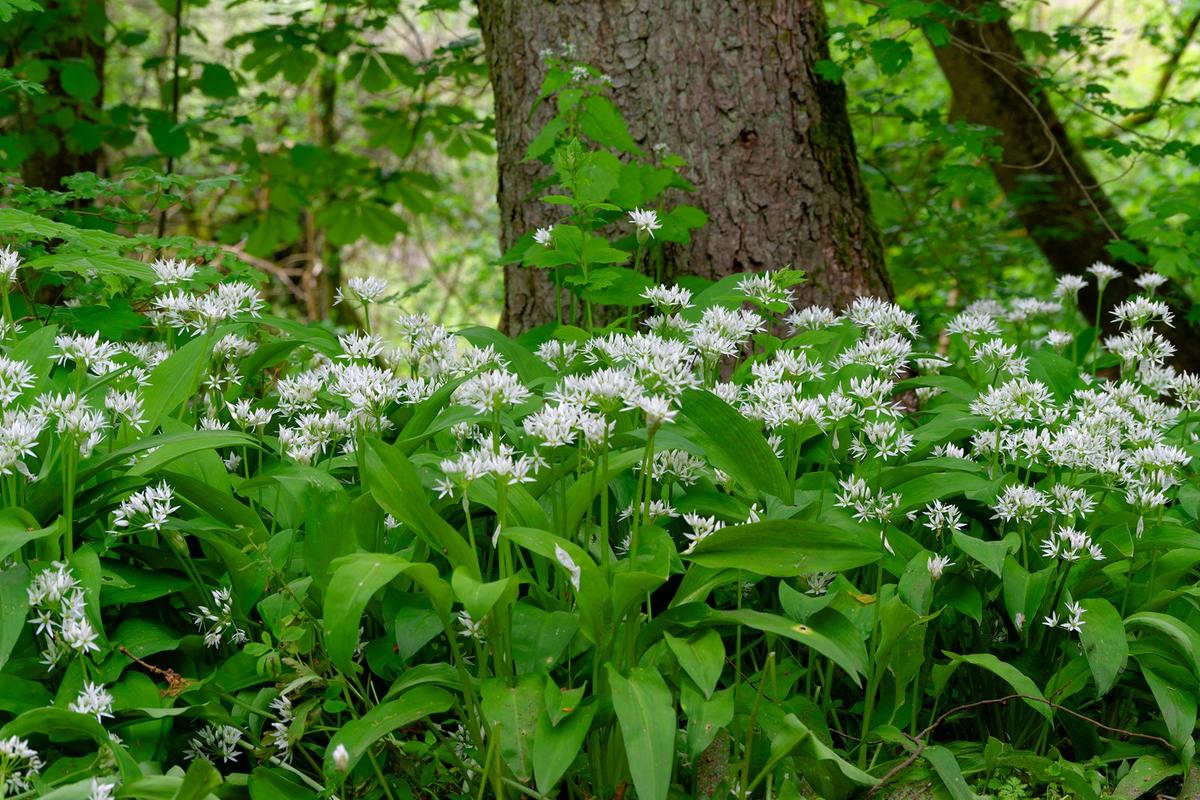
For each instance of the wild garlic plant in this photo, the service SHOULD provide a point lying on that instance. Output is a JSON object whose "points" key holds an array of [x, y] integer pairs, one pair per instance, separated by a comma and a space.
{"points": [[741, 547]]}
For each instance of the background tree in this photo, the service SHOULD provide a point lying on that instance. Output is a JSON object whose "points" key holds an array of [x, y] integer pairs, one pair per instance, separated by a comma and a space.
{"points": [[1044, 176], [731, 88]]}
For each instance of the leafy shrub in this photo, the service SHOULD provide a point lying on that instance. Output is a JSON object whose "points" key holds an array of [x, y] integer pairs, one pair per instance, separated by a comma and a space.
{"points": [[734, 547]]}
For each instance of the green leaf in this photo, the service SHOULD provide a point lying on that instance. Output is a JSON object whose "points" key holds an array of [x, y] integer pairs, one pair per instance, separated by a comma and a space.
{"points": [[93, 264], [355, 581], [217, 82], [393, 481], [540, 637], [169, 139], [705, 717], [479, 598], [512, 713], [269, 783], [786, 548], [199, 780], [187, 443], [1019, 681], [1146, 773], [1104, 641], [646, 713], [990, 554], [593, 593], [358, 735], [892, 55], [602, 122], [18, 528], [175, 380], [10, 7], [1184, 637], [1178, 706], [702, 658], [555, 747], [949, 771], [79, 80], [828, 632], [733, 444], [14, 605]]}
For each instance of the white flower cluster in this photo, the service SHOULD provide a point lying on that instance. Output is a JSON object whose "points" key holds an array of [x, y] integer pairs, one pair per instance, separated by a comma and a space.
{"points": [[216, 621], [59, 615], [148, 509], [19, 763]]}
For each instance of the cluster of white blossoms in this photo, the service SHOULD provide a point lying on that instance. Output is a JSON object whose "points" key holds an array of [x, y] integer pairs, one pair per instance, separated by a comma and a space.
{"points": [[215, 743], [216, 620], [94, 700], [148, 509], [19, 764], [58, 612]]}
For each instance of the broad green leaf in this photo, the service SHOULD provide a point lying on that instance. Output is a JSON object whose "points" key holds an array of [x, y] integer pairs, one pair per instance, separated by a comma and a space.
{"points": [[949, 771], [18, 528], [1146, 773], [594, 604], [828, 632], [527, 366], [1178, 706], [93, 263], [393, 481], [512, 713], [539, 637], [358, 735], [61, 725], [646, 713], [702, 657], [990, 554], [14, 605], [78, 79], [217, 82], [705, 716], [272, 783], [732, 443], [186, 443], [1104, 641], [355, 581], [479, 598], [1183, 636], [175, 380], [786, 548], [200, 779], [1020, 682], [555, 747]]}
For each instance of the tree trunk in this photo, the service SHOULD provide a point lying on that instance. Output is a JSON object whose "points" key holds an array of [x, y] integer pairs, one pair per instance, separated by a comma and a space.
{"points": [[1052, 189], [727, 84]]}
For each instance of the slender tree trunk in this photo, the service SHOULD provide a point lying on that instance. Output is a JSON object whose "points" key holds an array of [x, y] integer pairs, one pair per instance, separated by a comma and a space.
{"points": [[730, 86], [1046, 179]]}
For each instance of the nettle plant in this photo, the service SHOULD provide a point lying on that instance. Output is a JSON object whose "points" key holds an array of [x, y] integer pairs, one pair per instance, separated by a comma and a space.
{"points": [[724, 547]]}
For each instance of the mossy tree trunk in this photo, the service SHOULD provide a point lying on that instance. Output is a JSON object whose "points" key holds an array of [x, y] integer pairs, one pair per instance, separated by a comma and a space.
{"points": [[730, 86]]}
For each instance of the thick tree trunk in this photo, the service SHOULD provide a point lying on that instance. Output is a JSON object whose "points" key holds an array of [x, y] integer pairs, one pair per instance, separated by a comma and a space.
{"points": [[727, 84], [1052, 189]]}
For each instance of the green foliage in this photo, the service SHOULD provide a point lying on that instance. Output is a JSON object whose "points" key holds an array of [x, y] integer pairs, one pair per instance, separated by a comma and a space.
{"points": [[718, 557]]}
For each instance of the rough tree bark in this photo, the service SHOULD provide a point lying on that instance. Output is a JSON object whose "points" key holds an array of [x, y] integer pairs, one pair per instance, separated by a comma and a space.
{"points": [[730, 86], [1046, 179]]}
